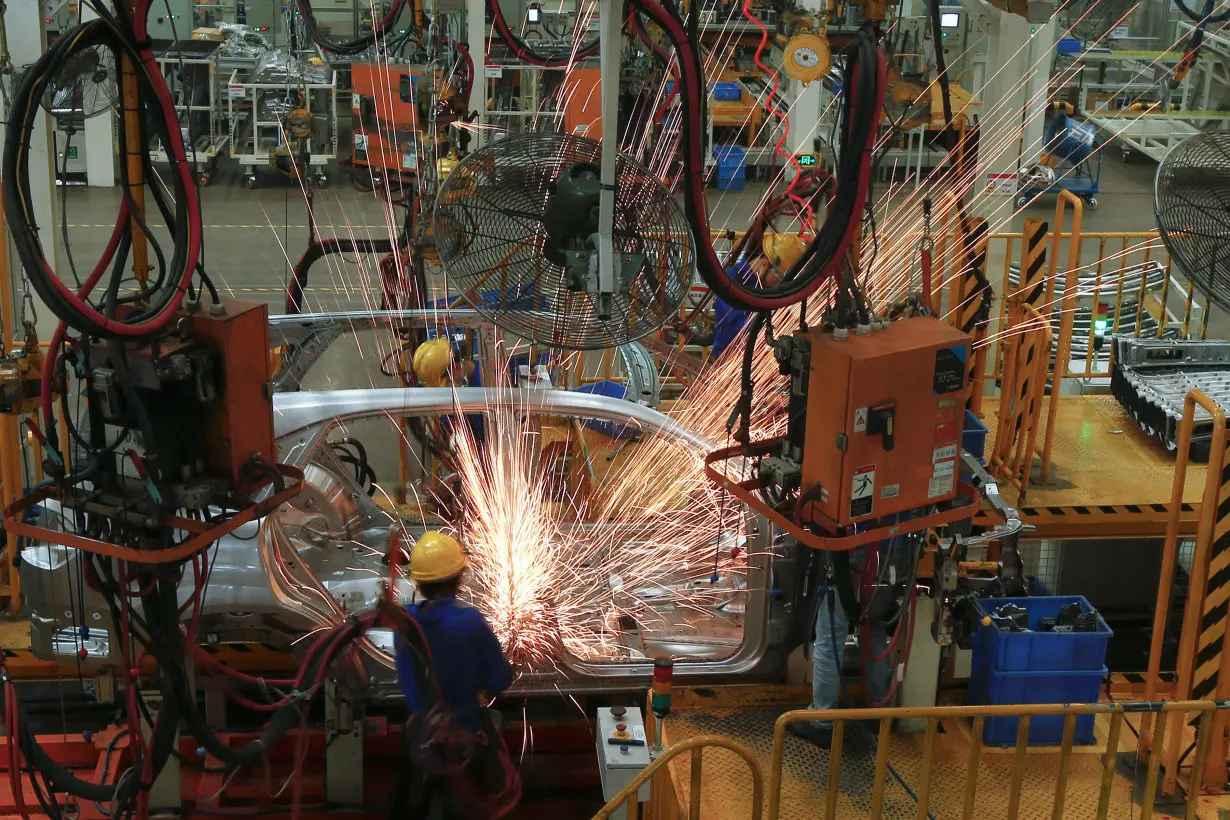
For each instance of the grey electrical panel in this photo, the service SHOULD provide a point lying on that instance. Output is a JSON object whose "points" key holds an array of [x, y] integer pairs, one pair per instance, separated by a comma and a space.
{"points": [[262, 15], [171, 18]]}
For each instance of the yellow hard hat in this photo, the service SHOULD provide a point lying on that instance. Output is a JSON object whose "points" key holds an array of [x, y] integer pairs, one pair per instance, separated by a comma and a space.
{"points": [[316, 61], [431, 361], [783, 249], [436, 557]]}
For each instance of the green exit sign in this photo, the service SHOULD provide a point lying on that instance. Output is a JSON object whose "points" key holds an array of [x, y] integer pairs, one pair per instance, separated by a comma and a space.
{"points": [[72, 152], [807, 160]]}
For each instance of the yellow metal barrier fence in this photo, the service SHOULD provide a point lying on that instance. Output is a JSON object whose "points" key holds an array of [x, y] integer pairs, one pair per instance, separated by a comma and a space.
{"points": [[979, 714], [1203, 663], [628, 799]]}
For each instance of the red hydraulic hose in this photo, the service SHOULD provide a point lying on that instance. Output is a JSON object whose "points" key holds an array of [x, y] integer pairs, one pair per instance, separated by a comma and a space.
{"points": [[810, 215], [10, 712], [727, 289], [179, 160], [61, 331]]}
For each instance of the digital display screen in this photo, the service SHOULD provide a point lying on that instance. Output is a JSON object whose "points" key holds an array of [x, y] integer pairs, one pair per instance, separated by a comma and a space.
{"points": [[533, 14], [950, 19], [806, 160]]}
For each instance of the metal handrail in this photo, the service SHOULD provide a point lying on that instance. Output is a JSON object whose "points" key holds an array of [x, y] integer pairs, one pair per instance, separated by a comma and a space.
{"points": [[979, 714], [627, 797], [1193, 610]]}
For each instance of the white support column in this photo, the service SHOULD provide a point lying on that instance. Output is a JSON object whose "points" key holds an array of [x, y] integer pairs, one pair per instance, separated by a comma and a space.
{"points": [[1013, 107], [99, 138], [610, 34], [920, 685], [805, 113], [27, 40], [476, 38]]}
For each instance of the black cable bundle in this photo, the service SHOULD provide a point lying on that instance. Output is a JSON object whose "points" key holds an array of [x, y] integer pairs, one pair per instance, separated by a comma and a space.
{"points": [[348, 48], [864, 84], [985, 292], [116, 34]]}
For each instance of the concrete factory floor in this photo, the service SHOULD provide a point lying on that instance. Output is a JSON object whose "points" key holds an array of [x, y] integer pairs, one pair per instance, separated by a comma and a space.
{"points": [[253, 237]]}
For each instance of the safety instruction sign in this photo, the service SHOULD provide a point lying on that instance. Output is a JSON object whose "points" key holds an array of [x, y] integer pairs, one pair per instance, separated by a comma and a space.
{"points": [[1001, 184], [860, 419], [862, 490]]}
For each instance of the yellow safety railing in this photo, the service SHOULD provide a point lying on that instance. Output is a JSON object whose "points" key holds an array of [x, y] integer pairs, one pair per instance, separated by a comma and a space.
{"points": [[979, 715], [1026, 363], [628, 797], [1202, 628]]}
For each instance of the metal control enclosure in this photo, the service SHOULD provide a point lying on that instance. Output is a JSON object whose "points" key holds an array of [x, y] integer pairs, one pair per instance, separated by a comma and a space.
{"points": [[616, 767], [915, 370]]}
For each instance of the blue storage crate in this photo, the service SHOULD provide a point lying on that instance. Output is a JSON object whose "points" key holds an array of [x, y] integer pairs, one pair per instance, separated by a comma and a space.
{"points": [[730, 156], [1068, 46], [994, 687], [1039, 651], [974, 437], [727, 92], [730, 183]]}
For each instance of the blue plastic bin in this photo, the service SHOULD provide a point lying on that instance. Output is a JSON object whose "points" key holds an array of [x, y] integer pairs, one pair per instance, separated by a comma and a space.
{"points": [[726, 92], [974, 437], [730, 156], [729, 182], [1006, 651], [994, 687], [1068, 46]]}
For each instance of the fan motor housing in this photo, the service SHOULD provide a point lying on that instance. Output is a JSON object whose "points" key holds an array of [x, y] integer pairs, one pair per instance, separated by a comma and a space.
{"points": [[571, 216]]}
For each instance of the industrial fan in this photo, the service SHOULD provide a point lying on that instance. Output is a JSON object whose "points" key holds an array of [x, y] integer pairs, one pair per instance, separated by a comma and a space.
{"points": [[1092, 20], [1191, 200], [516, 228], [84, 86]]}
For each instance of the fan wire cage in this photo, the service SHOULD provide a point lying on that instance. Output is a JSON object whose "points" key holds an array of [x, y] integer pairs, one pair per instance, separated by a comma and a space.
{"points": [[492, 229], [1192, 203], [1092, 20]]}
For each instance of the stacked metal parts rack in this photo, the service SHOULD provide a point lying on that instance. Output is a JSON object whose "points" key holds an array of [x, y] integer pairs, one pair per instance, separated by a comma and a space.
{"points": [[190, 68], [1152, 378], [284, 118]]}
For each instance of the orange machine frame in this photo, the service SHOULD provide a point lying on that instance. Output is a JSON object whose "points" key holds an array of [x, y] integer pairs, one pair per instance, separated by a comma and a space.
{"points": [[583, 103], [385, 117]]}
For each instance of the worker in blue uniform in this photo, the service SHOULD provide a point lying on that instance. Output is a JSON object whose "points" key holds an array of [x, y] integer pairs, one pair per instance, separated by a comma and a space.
{"points": [[779, 251], [729, 320], [832, 626], [467, 663]]}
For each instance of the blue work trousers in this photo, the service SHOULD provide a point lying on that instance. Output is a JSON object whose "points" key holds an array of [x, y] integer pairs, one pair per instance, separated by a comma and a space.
{"points": [[832, 626]]}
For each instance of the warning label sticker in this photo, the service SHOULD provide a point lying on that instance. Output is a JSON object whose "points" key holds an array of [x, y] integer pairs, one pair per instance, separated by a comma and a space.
{"points": [[862, 490], [943, 453], [944, 467], [860, 419], [940, 485], [891, 491], [946, 431]]}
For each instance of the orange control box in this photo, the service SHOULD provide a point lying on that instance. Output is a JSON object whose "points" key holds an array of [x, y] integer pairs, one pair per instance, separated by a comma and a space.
{"points": [[241, 424], [885, 414]]}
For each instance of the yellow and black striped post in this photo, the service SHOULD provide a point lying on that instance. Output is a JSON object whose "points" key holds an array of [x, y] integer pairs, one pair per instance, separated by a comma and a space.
{"points": [[1032, 285], [969, 303], [1203, 667], [1211, 678]]}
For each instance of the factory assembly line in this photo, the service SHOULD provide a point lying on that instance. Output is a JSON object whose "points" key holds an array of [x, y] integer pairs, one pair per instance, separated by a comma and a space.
{"points": [[601, 506]]}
